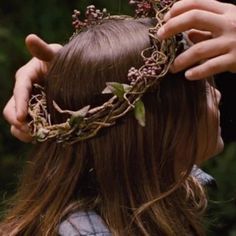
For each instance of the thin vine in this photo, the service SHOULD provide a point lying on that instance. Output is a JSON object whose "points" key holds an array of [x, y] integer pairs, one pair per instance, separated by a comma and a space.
{"points": [[86, 122]]}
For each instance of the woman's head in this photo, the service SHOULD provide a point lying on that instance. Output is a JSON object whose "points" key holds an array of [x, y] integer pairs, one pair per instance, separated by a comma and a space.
{"points": [[104, 54], [132, 164], [127, 172]]}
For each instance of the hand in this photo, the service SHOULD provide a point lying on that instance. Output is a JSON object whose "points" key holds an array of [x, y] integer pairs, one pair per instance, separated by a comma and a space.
{"points": [[212, 28], [16, 109]]}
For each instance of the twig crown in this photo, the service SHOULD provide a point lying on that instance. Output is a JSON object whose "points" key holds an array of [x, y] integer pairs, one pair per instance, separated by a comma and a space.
{"points": [[87, 122]]}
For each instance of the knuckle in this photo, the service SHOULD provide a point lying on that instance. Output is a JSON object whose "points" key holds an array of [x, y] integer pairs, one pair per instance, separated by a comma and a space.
{"points": [[193, 3], [231, 41], [19, 73], [194, 15], [229, 8], [232, 25], [190, 4], [5, 111], [198, 51], [14, 91], [212, 67]]}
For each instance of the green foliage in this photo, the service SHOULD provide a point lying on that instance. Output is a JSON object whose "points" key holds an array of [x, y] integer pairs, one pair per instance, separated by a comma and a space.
{"points": [[139, 111], [116, 88], [52, 21], [222, 204]]}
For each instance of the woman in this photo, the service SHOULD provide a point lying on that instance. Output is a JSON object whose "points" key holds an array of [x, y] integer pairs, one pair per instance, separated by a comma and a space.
{"points": [[185, 13], [136, 179]]}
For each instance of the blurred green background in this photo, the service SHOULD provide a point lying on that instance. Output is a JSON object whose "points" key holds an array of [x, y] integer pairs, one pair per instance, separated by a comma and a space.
{"points": [[51, 20]]}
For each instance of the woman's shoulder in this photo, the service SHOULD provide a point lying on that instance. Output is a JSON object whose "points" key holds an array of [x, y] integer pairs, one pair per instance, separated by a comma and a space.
{"points": [[84, 223], [89, 223]]}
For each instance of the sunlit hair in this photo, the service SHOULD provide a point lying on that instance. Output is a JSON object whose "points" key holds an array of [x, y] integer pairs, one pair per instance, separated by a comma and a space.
{"points": [[137, 179]]}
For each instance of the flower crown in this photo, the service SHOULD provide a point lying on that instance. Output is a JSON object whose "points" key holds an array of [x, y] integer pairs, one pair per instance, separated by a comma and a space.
{"points": [[86, 122]]}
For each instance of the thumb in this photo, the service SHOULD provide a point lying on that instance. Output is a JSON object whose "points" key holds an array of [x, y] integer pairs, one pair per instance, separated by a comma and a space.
{"points": [[40, 49]]}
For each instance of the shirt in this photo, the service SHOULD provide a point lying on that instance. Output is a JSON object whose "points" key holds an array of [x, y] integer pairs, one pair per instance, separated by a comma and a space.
{"points": [[89, 223]]}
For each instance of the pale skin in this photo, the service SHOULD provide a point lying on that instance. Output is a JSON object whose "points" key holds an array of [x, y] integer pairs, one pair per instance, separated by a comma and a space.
{"points": [[15, 110], [211, 25]]}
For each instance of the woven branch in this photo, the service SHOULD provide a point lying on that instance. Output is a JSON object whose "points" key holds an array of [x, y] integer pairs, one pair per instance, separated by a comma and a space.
{"points": [[87, 122]]}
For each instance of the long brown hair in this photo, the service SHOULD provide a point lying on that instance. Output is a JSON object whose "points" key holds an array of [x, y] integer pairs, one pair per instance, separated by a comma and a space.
{"points": [[137, 179]]}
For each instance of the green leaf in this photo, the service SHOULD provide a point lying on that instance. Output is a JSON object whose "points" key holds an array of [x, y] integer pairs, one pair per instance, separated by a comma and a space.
{"points": [[75, 120], [139, 112], [116, 88], [113, 87], [127, 87], [78, 116]]}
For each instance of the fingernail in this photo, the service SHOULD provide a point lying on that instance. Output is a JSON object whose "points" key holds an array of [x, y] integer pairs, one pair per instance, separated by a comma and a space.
{"points": [[188, 74], [160, 32]]}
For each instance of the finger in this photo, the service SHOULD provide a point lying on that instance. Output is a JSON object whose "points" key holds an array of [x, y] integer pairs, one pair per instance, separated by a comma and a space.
{"points": [[183, 6], [22, 91], [209, 68], [196, 36], [24, 137], [9, 113], [194, 19], [39, 48], [199, 52]]}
